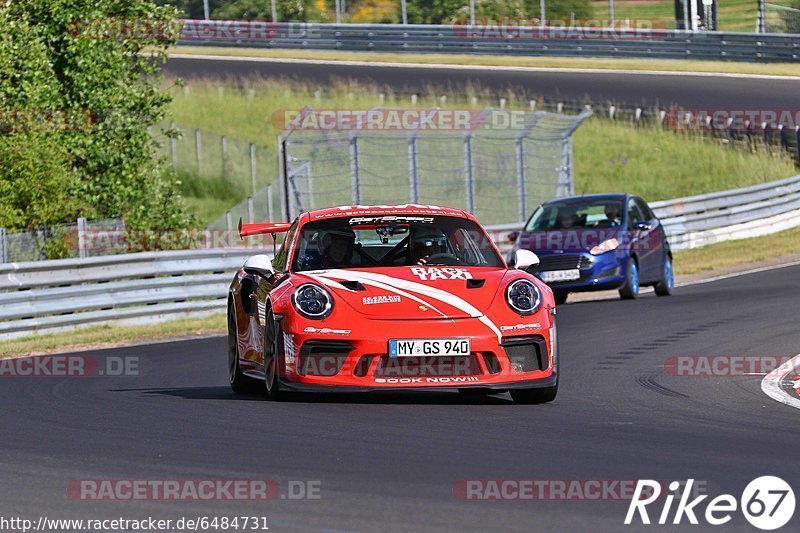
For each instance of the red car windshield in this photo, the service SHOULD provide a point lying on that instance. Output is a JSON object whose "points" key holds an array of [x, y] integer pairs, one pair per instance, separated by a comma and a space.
{"points": [[393, 240]]}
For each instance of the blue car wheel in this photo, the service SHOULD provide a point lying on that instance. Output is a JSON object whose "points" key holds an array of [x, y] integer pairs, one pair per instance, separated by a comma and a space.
{"points": [[667, 283], [630, 289]]}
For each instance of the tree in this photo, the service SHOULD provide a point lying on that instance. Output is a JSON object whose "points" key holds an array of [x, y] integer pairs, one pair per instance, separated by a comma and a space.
{"points": [[85, 59]]}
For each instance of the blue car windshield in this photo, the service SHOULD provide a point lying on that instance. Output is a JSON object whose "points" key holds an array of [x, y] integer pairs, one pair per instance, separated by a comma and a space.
{"points": [[597, 213]]}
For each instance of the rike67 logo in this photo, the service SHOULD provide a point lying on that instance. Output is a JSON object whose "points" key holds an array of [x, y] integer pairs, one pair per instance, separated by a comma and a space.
{"points": [[767, 503]]}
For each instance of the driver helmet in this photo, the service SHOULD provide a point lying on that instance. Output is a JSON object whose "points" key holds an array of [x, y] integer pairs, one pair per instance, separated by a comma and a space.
{"points": [[428, 242], [343, 235]]}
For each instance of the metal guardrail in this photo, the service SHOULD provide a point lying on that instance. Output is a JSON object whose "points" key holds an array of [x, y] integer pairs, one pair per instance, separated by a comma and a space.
{"points": [[43, 295], [498, 39], [51, 294]]}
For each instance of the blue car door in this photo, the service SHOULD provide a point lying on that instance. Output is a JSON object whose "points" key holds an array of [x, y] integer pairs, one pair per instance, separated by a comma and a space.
{"points": [[643, 239]]}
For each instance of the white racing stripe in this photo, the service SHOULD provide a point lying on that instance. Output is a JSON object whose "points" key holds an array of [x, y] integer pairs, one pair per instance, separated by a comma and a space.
{"points": [[396, 284], [771, 384], [333, 283]]}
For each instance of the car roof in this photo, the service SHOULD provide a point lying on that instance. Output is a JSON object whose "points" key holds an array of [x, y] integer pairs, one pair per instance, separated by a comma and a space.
{"points": [[384, 210], [601, 196]]}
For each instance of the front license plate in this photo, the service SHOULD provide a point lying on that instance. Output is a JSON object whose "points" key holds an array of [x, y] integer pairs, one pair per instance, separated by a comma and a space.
{"points": [[428, 347], [561, 275]]}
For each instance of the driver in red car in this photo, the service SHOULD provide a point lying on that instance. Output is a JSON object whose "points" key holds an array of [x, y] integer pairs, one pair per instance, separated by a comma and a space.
{"points": [[336, 248], [425, 244]]}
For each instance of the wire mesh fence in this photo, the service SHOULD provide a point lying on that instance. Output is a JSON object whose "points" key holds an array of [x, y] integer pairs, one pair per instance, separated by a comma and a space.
{"points": [[243, 166], [62, 241], [500, 165], [780, 16]]}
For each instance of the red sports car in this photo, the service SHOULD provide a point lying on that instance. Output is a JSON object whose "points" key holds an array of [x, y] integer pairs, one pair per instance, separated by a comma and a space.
{"points": [[366, 298]]}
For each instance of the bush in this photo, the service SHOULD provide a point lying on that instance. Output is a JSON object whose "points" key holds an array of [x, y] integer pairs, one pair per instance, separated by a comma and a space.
{"points": [[75, 71]]}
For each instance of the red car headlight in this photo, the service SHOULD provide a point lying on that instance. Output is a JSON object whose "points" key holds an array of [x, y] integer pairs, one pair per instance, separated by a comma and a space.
{"points": [[524, 297], [312, 301]]}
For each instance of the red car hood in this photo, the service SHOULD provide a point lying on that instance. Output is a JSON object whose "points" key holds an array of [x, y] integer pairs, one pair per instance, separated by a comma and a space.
{"points": [[419, 293]]}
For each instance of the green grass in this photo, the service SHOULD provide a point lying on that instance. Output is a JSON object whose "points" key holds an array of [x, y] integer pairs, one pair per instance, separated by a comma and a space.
{"points": [[658, 164], [609, 156], [733, 15], [664, 65], [728, 254], [107, 336]]}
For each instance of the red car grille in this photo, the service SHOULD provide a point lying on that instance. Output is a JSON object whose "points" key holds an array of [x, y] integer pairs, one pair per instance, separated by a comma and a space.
{"points": [[404, 367]]}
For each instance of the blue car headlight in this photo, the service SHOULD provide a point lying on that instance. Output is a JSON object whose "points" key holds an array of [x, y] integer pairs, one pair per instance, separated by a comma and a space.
{"points": [[524, 297], [312, 301], [605, 246]]}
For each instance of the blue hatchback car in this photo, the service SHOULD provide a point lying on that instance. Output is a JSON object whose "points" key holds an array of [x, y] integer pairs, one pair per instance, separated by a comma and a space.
{"points": [[598, 242]]}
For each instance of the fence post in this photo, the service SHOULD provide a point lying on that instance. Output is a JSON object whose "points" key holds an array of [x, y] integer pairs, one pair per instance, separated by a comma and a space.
{"points": [[354, 170], [251, 210], [269, 204], [520, 159], [82, 248], [413, 195], [198, 150], [253, 167], [566, 181], [310, 176], [283, 185], [173, 146], [3, 246], [224, 158], [468, 176]]}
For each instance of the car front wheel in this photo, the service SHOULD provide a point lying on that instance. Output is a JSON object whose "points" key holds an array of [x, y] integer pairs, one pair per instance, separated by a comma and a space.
{"points": [[667, 283], [630, 289]]}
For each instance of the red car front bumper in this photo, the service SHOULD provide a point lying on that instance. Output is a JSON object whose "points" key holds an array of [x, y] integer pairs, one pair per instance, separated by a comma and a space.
{"points": [[326, 356]]}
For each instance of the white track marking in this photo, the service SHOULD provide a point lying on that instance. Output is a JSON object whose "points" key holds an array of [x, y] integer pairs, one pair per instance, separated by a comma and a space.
{"points": [[737, 274], [771, 384], [449, 66]]}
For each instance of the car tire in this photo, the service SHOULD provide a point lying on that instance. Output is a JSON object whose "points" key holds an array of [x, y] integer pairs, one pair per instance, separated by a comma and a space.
{"points": [[630, 290], [535, 395], [667, 283], [240, 384], [560, 297], [273, 338]]}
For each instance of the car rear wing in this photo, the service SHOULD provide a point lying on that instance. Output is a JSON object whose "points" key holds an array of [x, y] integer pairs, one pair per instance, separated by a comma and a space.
{"points": [[260, 228]]}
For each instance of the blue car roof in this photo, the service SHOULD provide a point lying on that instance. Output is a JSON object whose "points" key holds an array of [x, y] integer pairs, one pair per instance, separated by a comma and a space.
{"points": [[602, 196]]}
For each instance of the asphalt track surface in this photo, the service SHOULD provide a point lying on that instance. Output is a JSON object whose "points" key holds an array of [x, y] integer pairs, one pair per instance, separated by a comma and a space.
{"points": [[689, 92], [390, 461]]}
